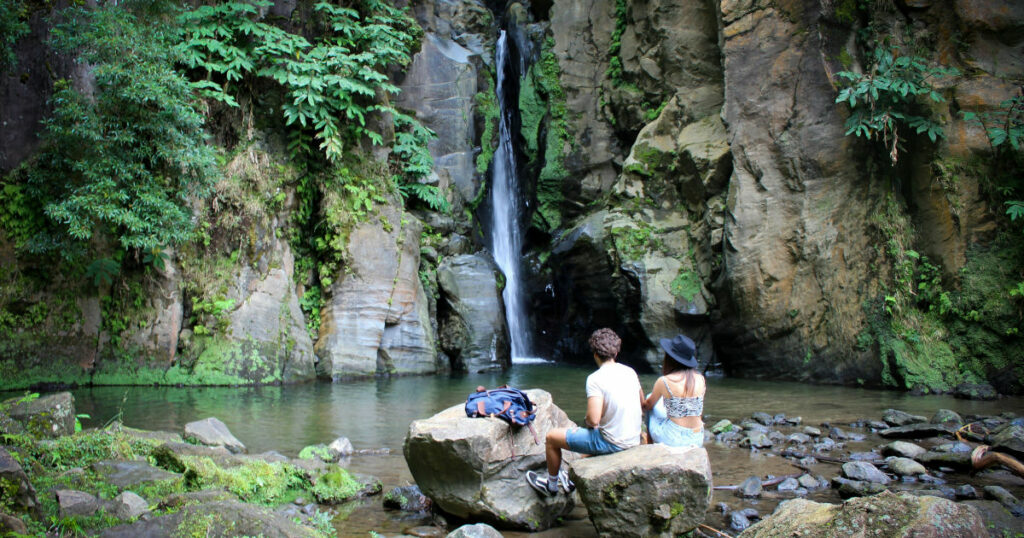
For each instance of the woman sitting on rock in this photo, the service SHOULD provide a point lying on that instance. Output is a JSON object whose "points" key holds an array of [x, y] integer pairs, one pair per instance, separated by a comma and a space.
{"points": [[677, 401]]}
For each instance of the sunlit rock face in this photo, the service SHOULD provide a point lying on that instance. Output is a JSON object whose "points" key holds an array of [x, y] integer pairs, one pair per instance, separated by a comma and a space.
{"points": [[376, 319]]}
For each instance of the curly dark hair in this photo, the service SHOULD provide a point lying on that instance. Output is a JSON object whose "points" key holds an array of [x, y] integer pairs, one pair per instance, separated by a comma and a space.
{"points": [[605, 343]]}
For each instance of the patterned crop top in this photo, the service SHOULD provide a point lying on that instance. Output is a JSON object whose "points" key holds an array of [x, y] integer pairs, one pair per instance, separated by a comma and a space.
{"points": [[678, 407]]}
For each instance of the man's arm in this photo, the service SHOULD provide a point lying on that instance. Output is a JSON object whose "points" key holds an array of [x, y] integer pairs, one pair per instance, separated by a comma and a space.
{"points": [[595, 408]]}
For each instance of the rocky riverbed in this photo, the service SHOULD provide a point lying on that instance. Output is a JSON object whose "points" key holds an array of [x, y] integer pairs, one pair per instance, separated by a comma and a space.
{"points": [[120, 481]]}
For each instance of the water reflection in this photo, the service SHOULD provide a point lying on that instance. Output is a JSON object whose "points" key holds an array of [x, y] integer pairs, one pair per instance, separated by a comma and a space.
{"points": [[376, 413]]}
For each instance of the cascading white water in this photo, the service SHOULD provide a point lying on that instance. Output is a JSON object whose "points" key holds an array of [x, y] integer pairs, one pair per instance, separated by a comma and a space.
{"points": [[506, 240]]}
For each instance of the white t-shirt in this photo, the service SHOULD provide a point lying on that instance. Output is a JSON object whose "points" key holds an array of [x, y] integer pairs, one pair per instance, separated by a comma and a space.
{"points": [[619, 386]]}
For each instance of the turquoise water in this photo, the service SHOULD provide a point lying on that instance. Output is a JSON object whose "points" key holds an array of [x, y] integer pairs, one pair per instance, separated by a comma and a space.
{"points": [[376, 413]]}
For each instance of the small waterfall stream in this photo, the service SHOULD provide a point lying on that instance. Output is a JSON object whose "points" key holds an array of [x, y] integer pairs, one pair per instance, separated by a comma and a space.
{"points": [[506, 229]]}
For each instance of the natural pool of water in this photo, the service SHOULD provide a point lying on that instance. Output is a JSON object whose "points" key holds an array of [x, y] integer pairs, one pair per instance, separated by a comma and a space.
{"points": [[376, 414]]}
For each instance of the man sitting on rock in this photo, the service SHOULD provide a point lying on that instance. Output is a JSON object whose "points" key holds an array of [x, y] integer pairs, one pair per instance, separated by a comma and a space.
{"points": [[614, 398]]}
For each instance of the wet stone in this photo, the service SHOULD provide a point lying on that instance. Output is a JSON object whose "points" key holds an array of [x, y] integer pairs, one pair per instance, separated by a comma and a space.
{"points": [[906, 467], [808, 481], [902, 449], [722, 426], [812, 431], [956, 448], [917, 431], [876, 425], [966, 491], [751, 426], [750, 488], [862, 470], [738, 521], [943, 416], [789, 484], [866, 456], [809, 461], [1005, 498], [780, 419], [895, 417], [756, 440], [763, 418], [856, 488], [799, 438]]}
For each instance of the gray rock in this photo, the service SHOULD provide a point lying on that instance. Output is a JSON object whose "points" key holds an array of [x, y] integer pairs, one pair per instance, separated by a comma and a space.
{"points": [[812, 431], [885, 514], [474, 333], [341, 447], [956, 460], [406, 498], [895, 417], [906, 467], [966, 491], [457, 463], [917, 431], [789, 484], [873, 457], [48, 416], [738, 521], [862, 470], [127, 474], [750, 488], [975, 391], [212, 432], [376, 316], [218, 518], [76, 503], [825, 444], [177, 500], [763, 418], [809, 482], [799, 438], [756, 440], [752, 426], [478, 530], [943, 416], [953, 447], [724, 425], [902, 449], [16, 490], [1010, 439], [856, 488], [11, 524], [1005, 498], [128, 505], [998, 519], [649, 489]]}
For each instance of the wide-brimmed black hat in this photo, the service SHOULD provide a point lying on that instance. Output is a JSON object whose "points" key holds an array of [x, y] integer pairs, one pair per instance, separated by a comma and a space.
{"points": [[682, 349]]}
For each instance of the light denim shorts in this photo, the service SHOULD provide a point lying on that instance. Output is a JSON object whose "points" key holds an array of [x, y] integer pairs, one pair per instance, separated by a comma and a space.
{"points": [[666, 432], [589, 441]]}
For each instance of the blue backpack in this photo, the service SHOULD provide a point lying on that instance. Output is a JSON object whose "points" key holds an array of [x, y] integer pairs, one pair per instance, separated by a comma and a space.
{"points": [[511, 405]]}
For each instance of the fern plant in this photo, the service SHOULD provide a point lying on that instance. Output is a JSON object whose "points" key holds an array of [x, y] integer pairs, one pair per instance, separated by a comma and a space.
{"points": [[886, 98]]}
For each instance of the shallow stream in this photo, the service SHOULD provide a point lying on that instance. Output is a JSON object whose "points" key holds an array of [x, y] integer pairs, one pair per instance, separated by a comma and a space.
{"points": [[376, 413]]}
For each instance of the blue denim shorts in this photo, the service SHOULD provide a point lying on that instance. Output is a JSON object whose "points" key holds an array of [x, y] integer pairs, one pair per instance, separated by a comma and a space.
{"points": [[589, 441], [664, 431]]}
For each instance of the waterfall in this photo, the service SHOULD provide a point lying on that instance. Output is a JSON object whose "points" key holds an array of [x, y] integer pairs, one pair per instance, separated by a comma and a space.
{"points": [[506, 230]]}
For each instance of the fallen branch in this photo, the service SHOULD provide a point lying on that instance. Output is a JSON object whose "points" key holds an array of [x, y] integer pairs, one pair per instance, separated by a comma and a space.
{"points": [[826, 459], [982, 457]]}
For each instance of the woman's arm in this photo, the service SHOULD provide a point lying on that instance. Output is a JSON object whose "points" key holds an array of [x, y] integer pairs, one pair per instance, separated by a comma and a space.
{"points": [[595, 408], [656, 393]]}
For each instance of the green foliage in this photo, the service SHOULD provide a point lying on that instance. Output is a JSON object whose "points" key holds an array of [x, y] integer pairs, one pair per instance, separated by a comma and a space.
{"points": [[335, 486], [686, 285], [887, 97], [550, 197], [632, 243], [487, 106], [255, 481], [125, 159], [320, 452], [1005, 130], [12, 27], [209, 316], [614, 72], [411, 139]]}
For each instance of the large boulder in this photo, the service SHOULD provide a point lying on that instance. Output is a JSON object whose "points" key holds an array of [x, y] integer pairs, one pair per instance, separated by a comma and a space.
{"points": [[471, 314], [649, 490], [129, 474], [474, 468], [1010, 439], [16, 492], [52, 415], [376, 319], [885, 514]]}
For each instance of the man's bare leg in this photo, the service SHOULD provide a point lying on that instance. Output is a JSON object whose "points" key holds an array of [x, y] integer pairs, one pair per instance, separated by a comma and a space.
{"points": [[553, 445]]}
